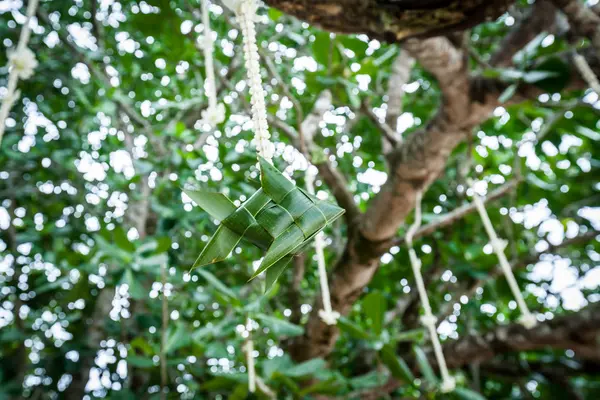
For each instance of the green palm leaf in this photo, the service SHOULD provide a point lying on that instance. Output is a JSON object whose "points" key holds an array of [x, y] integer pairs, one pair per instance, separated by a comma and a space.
{"points": [[279, 218]]}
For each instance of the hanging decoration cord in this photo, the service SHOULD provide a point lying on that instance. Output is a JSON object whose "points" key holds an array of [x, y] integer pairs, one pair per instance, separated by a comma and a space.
{"points": [[21, 63], [215, 113], [250, 357], [328, 316], [586, 72], [527, 319], [428, 319], [246, 13]]}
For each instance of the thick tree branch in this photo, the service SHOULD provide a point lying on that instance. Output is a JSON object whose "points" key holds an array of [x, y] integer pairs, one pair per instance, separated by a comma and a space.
{"points": [[393, 20], [577, 332]]}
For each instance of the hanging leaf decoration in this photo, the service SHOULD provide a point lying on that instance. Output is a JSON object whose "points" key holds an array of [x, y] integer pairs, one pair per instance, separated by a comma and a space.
{"points": [[280, 218]]}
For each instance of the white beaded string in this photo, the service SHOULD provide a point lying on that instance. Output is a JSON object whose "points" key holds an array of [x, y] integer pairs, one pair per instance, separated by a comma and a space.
{"points": [[428, 319], [328, 315], [527, 319], [586, 72], [215, 113], [21, 64], [246, 13]]}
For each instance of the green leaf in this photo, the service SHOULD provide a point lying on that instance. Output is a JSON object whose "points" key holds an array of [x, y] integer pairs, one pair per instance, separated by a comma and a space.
{"points": [[397, 366], [321, 47], [217, 284], [275, 272], [368, 380], [219, 246], [391, 52], [216, 204], [413, 335], [374, 306], [425, 366], [468, 394], [280, 327], [283, 245], [136, 289], [508, 93], [120, 238], [536, 76], [139, 343], [353, 329], [275, 14], [177, 338], [306, 368], [140, 362]]}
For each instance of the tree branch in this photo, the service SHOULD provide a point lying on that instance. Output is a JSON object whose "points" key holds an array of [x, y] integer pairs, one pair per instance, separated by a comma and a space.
{"points": [[472, 286], [461, 212], [576, 332]]}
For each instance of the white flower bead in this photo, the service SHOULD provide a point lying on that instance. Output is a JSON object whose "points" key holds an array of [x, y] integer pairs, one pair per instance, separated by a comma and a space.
{"points": [[428, 320], [23, 62], [233, 5], [330, 318], [214, 116], [448, 385]]}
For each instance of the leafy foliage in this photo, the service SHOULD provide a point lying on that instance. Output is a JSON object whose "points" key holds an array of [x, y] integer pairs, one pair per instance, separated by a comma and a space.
{"points": [[106, 134]]}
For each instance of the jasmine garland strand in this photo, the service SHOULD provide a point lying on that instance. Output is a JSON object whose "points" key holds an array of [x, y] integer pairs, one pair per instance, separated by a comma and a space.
{"points": [[21, 64]]}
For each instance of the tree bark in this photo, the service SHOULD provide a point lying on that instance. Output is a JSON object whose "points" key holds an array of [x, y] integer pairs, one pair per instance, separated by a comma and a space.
{"points": [[393, 20]]}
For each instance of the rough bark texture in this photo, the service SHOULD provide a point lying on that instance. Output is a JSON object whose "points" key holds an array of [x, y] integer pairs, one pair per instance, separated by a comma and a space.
{"points": [[391, 20]]}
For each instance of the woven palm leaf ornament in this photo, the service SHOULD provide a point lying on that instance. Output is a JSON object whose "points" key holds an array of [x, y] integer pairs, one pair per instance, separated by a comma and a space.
{"points": [[428, 319], [527, 319], [279, 218]]}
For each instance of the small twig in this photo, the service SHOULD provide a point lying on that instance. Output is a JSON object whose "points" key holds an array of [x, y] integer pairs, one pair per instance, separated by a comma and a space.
{"points": [[461, 212], [387, 130]]}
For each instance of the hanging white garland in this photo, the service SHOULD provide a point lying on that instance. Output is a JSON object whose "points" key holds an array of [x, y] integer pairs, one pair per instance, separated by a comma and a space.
{"points": [[249, 348], [527, 319], [21, 64], [245, 11], [328, 315], [215, 113], [428, 319]]}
